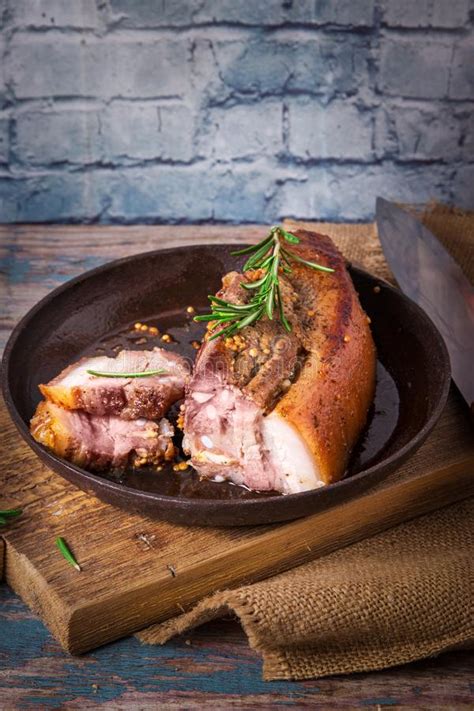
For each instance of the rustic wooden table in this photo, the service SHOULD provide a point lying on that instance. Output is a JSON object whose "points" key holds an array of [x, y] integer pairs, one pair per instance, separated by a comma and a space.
{"points": [[214, 663]]}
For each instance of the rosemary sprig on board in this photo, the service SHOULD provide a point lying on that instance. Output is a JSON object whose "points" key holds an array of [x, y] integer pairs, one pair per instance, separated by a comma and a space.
{"points": [[66, 553], [111, 374], [8, 514], [272, 256]]}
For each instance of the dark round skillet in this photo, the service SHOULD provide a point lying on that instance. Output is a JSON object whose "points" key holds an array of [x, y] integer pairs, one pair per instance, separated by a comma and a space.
{"points": [[98, 308]]}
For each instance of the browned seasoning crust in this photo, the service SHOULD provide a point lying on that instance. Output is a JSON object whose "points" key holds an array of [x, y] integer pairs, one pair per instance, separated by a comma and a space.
{"points": [[329, 402]]}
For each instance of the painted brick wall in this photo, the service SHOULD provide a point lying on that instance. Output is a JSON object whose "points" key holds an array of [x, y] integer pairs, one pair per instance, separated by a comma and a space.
{"points": [[232, 110]]}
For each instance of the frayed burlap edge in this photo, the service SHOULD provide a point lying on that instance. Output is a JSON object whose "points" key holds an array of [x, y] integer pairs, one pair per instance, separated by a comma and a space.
{"points": [[303, 662]]}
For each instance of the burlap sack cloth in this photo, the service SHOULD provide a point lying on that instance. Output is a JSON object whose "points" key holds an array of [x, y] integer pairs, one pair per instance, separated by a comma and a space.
{"points": [[390, 599]]}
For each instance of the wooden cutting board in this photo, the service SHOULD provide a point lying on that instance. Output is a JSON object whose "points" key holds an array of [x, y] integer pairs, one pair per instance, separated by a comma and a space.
{"points": [[136, 571]]}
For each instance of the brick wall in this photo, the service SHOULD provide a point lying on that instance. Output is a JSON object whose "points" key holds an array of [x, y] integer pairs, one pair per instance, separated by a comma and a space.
{"points": [[232, 110]]}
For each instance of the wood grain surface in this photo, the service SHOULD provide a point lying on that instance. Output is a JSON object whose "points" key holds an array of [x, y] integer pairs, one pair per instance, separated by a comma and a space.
{"points": [[34, 260], [213, 665]]}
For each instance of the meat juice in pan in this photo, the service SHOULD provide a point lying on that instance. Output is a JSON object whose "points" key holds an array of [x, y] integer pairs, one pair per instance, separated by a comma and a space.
{"points": [[381, 422]]}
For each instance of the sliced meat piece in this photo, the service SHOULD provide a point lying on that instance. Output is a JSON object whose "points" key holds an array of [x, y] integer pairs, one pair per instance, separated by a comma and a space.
{"points": [[229, 436], [101, 442], [277, 411], [129, 398]]}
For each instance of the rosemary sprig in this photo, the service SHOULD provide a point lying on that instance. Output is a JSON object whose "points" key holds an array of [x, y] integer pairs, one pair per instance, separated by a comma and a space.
{"points": [[111, 374], [8, 514], [272, 256], [11, 513], [66, 553]]}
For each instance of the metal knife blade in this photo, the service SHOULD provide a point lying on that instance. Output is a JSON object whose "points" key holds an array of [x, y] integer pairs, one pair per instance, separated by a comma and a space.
{"points": [[428, 274]]}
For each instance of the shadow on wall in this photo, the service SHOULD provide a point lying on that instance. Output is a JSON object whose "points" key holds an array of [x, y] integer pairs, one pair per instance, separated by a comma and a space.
{"points": [[216, 111]]}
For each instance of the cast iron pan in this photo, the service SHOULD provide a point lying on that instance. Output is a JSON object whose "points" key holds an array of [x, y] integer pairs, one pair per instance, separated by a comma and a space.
{"points": [[98, 310]]}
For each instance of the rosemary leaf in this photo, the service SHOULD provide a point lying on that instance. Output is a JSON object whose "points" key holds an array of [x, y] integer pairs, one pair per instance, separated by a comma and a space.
{"points": [[216, 300], [250, 319], [11, 513], [289, 237], [313, 265], [253, 284], [205, 317], [269, 301], [8, 514], [111, 374], [253, 262], [283, 319], [266, 262], [234, 307], [252, 247], [227, 331], [66, 553]]}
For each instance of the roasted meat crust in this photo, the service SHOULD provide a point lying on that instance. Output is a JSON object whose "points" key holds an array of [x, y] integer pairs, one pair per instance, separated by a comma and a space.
{"points": [[329, 402]]}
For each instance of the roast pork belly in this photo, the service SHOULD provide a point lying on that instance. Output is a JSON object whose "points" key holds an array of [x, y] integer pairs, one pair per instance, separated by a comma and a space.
{"points": [[101, 442], [129, 398], [281, 411]]}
